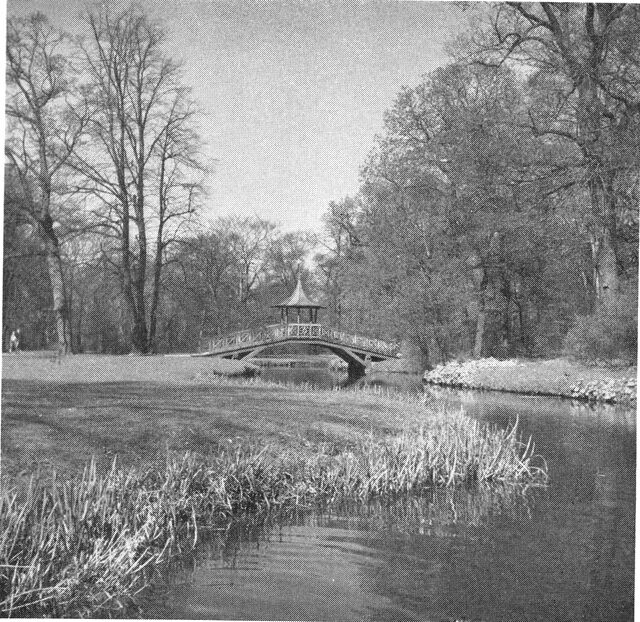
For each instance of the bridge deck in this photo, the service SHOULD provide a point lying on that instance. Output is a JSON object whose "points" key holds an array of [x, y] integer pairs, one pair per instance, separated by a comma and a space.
{"points": [[308, 333]]}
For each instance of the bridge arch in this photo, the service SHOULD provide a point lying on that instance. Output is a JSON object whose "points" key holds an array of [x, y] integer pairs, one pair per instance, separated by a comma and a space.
{"points": [[356, 350], [357, 364]]}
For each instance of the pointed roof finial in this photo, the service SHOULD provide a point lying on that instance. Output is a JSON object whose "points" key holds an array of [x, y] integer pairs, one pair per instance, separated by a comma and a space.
{"points": [[299, 299]]}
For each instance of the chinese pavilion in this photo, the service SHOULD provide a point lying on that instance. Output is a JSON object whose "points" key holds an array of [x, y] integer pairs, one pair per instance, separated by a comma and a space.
{"points": [[298, 301]]}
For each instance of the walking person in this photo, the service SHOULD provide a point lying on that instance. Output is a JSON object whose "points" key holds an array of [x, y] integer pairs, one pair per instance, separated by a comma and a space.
{"points": [[13, 342]]}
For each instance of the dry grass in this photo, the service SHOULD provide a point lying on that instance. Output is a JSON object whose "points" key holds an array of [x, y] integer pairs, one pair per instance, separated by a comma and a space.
{"points": [[80, 546], [76, 545]]}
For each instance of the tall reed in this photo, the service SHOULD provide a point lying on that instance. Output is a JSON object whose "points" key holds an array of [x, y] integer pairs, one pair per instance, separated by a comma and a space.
{"points": [[80, 546]]}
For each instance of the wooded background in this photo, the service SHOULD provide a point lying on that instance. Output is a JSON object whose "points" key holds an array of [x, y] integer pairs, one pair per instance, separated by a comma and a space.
{"points": [[497, 212]]}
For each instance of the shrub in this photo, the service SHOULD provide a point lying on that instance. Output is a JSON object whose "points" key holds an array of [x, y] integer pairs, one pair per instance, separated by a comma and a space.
{"points": [[611, 332]]}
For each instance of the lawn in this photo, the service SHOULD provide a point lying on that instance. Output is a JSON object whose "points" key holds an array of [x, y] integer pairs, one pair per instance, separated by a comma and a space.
{"points": [[45, 366], [138, 407], [195, 448]]}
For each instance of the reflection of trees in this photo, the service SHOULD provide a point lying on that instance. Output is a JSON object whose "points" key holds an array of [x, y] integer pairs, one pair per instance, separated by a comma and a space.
{"points": [[439, 513], [572, 560], [484, 405], [431, 514], [561, 552], [435, 512], [610, 549], [489, 553]]}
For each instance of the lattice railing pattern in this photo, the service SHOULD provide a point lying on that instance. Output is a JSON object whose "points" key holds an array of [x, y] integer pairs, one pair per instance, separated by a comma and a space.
{"points": [[279, 332]]}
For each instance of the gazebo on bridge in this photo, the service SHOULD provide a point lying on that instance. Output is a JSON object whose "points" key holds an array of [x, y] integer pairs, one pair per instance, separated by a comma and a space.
{"points": [[298, 302], [358, 351]]}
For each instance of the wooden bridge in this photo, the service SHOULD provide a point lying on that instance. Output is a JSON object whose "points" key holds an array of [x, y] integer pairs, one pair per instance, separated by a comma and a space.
{"points": [[356, 350]]}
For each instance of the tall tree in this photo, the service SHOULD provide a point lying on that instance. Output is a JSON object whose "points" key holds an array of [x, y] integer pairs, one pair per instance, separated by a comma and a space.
{"points": [[44, 127], [446, 163], [26, 288], [286, 255], [336, 252], [584, 66], [458, 227], [142, 125]]}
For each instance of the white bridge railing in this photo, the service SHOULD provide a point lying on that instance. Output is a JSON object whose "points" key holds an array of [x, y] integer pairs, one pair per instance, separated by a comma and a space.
{"points": [[279, 332]]}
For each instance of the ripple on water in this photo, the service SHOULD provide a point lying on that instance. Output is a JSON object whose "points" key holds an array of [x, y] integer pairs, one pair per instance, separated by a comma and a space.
{"points": [[562, 553]]}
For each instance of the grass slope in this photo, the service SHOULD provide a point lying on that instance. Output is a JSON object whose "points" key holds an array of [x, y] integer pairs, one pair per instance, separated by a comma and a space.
{"points": [[191, 454], [173, 370]]}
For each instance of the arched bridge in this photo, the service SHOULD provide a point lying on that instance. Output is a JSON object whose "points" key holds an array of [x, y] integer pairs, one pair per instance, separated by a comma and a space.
{"points": [[356, 350]]}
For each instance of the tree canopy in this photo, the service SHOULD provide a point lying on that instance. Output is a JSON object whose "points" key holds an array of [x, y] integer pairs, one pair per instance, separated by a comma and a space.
{"points": [[497, 211]]}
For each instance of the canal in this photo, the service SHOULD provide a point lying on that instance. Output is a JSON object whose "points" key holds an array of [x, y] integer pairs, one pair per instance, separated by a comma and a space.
{"points": [[565, 552]]}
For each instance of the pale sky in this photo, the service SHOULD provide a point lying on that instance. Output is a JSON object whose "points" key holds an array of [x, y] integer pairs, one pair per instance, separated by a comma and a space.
{"points": [[292, 93]]}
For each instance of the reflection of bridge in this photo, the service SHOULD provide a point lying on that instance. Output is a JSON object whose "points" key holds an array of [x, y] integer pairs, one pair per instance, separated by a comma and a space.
{"points": [[357, 351]]}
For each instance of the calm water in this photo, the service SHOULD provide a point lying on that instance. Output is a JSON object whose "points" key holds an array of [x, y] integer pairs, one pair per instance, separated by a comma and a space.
{"points": [[562, 553], [325, 379]]}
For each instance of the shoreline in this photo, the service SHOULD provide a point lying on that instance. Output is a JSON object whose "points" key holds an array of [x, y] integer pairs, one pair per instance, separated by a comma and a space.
{"points": [[549, 378], [161, 463]]}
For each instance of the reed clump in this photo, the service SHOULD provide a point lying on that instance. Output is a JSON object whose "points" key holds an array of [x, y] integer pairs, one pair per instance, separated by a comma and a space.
{"points": [[81, 546]]}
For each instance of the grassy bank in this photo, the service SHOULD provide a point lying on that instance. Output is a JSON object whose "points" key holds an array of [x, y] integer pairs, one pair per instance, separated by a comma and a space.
{"points": [[78, 546], [193, 453], [558, 377], [62, 425]]}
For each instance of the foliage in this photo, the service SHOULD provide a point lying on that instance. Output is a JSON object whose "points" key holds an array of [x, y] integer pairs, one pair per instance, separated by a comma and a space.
{"points": [[500, 198], [611, 332]]}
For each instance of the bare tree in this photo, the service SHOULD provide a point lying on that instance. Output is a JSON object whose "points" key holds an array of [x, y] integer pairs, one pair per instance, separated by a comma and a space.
{"points": [[141, 124], [44, 128], [179, 188], [250, 240]]}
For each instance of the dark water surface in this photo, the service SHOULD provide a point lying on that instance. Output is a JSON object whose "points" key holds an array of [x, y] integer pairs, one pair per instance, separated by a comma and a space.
{"points": [[561, 553]]}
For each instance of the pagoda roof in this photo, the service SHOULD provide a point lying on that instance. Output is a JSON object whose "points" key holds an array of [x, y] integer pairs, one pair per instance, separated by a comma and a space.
{"points": [[299, 300]]}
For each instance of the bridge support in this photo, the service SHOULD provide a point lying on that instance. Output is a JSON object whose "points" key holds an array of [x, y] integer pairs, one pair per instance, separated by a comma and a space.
{"points": [[357, 365], [355, 371]]}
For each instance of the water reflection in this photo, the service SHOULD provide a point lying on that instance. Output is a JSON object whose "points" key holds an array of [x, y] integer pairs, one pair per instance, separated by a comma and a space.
{"points": [[333, 559], [325, 378], [565, 552]]}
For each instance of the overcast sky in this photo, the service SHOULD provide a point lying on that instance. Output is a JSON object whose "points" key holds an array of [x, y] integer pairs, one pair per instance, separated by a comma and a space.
{"points": [[292, 92]]}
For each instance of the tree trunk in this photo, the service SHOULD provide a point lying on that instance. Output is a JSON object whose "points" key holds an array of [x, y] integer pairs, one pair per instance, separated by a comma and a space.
{"points": [[155, 295], [203, 322], [590, 114], [54, 266], [157, 264], [482, 317], [477, 346], [506, 319], [604, 252]]}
